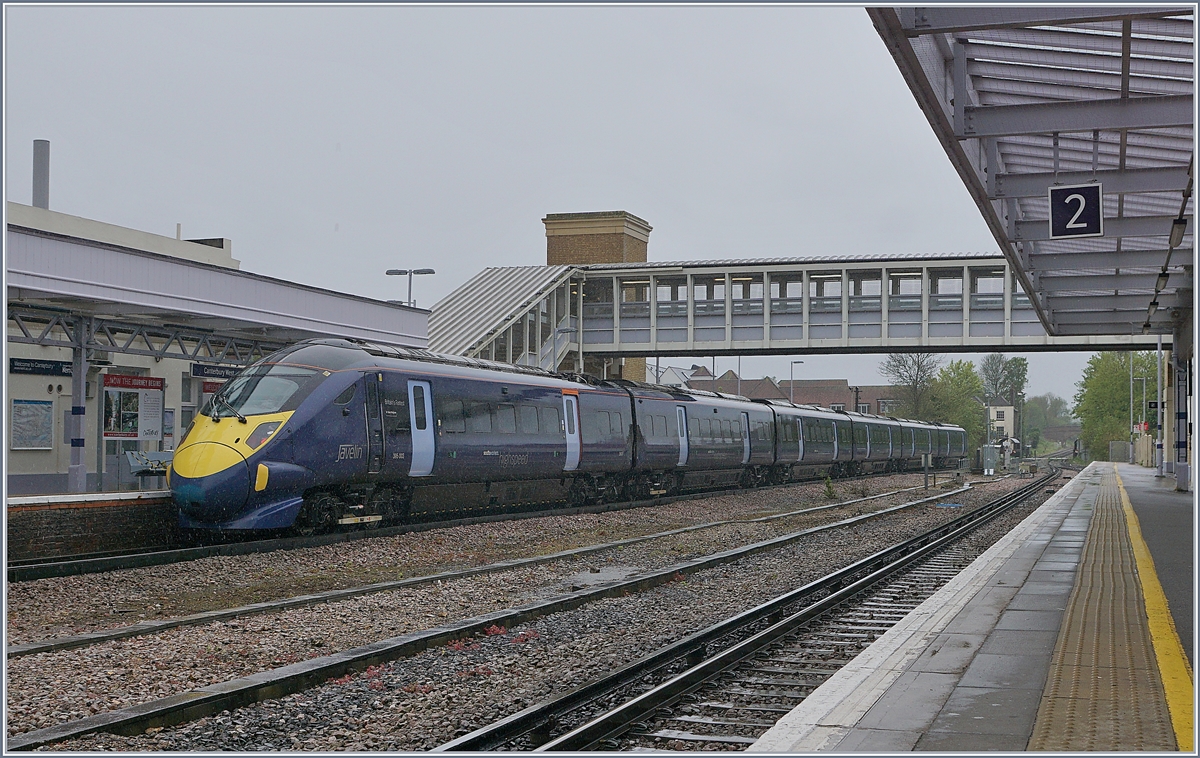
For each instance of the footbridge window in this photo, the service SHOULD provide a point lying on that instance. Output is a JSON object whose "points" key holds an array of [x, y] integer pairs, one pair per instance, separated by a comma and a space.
{"points": [[746, 291], [904, 291], [825, 292], [866, 291], [945, 290]]}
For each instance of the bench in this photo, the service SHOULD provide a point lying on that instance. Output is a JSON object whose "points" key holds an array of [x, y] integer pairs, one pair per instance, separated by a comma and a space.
{"points": [[148, 464]]}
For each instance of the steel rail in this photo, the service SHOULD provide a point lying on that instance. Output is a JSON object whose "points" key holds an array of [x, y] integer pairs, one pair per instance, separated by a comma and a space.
{"points": [[540, 720]]}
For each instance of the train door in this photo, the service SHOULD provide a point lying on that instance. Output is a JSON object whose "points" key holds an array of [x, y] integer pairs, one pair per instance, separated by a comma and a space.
{"points": [[745, 438], [799, 436], [681, 422], [420, 409], [571, 424], [374, 423]]}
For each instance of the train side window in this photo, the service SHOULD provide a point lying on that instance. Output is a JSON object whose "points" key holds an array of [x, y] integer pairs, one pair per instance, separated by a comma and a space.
{"points": [[453, 419], [419, 407], [550, 423], [660, 426], [727, 430], [694, 426], [506, 418], [479, 418], [529, 419], [346, 396], [616, 429], [595, 426]]}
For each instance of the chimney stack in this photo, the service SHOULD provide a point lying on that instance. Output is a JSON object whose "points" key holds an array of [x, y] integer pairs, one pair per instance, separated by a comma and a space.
{"points": [[41, 173], [603, 237]]}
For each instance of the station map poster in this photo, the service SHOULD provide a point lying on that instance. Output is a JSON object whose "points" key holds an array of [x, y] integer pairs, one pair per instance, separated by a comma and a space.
{"points": [[32, 424], [133, 407]]}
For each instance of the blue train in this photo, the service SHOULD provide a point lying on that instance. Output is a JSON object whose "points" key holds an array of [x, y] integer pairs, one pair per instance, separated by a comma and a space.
{"points": [[335, 432]]}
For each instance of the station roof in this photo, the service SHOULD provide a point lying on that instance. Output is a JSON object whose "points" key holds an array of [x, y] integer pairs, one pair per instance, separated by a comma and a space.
{"points": [[1025, 98], [52, 269], [488, 302]]}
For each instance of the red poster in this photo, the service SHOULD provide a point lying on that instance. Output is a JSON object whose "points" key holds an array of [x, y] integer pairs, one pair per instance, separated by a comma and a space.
{"points": [[122, 381]]}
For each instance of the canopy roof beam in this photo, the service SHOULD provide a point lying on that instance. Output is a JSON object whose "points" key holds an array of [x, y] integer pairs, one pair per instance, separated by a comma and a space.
{"points": [[918, 21], [1162, 111]]}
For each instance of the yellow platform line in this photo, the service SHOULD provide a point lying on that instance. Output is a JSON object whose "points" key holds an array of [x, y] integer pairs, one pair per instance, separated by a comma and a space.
{"points": [[1168, 651]]}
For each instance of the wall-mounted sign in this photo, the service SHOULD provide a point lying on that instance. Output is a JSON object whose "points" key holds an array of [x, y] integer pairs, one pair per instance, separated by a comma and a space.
{"points": [[42, 368], [133, 407], [32, 425], [209, 371], [210, 387], [1076, 211]]}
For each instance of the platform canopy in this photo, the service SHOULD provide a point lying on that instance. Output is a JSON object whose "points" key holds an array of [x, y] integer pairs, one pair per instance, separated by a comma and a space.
{"points": [[147, 303], [1026, 99]]}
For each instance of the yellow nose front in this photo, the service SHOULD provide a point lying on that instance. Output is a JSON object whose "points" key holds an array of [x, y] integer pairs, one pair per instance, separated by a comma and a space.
{"points": [[205, 459]]}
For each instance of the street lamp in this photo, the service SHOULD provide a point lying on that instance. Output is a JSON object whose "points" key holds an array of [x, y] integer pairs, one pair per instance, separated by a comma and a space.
{"points": [[409, 273], [792, 382]]}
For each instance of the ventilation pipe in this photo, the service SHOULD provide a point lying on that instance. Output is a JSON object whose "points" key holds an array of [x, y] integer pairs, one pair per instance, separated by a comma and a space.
{"points": [[41, 173]]}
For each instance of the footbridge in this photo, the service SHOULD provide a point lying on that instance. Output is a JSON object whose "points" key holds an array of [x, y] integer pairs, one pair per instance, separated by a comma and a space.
{"points": [[551, 316]]}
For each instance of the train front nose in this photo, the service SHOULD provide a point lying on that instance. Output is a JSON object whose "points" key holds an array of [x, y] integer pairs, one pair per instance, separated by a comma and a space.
{"points": [[210, 481]]}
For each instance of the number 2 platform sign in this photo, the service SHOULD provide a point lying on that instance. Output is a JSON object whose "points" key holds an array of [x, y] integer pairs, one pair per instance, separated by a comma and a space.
{"points": [[1076, 211]]}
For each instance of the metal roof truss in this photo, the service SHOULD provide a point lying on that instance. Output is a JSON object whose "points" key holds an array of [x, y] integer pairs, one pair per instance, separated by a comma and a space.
{"points": [[1026, 98]]}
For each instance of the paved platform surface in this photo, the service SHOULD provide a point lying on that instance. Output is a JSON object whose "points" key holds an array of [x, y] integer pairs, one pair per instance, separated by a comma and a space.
{"points": [[1059, 637]]}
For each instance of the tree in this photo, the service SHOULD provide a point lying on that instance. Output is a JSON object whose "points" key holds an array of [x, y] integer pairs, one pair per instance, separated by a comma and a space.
{"points": [[954, 401], [912, 376], [992, 373], [1041, 412], [1102, 400]]}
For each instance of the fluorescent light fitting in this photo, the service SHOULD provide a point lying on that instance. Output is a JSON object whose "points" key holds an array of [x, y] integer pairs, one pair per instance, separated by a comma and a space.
{"points": [[1153, 308], [1146, 328], [1178, 227], [1161, 284]]}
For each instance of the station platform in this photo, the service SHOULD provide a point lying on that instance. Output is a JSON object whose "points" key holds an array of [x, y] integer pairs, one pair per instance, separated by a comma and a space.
{"points": [[1071, 633]]}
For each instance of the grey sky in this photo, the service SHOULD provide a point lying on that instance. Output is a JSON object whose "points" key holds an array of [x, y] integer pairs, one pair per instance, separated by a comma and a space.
{"points": [[332, 143]]}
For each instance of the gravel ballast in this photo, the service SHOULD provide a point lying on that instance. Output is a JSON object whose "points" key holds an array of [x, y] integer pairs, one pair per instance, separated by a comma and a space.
{"points": [[51, 688]]}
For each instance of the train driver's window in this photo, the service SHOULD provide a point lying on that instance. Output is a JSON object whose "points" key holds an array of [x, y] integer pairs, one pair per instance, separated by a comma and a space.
{"points": [[346, 396]]}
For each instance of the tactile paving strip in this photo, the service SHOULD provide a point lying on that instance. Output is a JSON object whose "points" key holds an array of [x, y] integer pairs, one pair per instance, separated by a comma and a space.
{"points": [[1104, 691]]}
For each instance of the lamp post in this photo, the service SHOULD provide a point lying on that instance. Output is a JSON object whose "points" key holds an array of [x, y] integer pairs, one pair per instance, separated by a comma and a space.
{"points": [[792, 382], [409, 273], [1142, 379]]}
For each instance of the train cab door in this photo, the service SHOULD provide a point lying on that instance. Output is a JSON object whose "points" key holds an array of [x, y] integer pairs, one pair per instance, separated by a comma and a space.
{"points": [[571, 426], [420, 409], [745, 438], [681, 423], [374, 423]]}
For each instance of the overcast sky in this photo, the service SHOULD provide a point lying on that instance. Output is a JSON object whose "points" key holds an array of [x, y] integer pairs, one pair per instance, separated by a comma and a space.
{"points": [[333, 143]]}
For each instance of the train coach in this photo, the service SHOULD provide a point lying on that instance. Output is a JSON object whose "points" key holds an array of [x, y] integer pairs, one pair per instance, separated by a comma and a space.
{"points": [[329, 433]]}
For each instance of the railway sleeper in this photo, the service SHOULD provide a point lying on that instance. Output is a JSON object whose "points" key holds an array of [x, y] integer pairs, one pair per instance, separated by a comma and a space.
{"points": [[763, 707], [688, 719], [674, 734]]}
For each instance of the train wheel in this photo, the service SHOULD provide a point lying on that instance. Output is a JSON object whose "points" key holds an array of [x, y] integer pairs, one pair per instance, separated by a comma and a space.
{"points": [[320, 514]]}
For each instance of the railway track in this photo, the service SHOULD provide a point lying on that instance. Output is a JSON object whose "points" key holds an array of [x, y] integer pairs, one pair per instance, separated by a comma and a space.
{"points": [[721, 688], [196, 703], [29, 570]]}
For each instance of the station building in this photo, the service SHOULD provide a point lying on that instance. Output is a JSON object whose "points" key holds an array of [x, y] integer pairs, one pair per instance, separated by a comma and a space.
{"points": [[163, 322]]}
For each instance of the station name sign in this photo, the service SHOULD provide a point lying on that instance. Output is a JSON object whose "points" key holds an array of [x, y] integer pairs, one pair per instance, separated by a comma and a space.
{"points": [[209, 371], [1076, 211], [41, 368]]}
